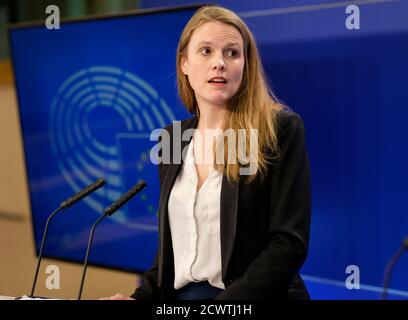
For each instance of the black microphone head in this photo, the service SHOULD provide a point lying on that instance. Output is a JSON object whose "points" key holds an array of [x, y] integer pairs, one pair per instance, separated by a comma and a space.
{"points": [[138, 187], [83, 193], [125, 198]]}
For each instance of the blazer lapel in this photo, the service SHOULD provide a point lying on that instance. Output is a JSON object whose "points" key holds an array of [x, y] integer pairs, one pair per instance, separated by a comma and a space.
{"points": [[165, 251], [229, 209]]}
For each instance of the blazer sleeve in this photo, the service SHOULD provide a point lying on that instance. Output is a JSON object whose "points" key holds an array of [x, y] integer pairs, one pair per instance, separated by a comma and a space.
{"points": [[148, 290], [268, 276]]}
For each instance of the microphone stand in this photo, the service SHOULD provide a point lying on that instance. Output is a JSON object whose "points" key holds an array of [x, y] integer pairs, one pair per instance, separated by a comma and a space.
{"points": [[41, 250], [64, 205], [108, 212], [87, 253]]}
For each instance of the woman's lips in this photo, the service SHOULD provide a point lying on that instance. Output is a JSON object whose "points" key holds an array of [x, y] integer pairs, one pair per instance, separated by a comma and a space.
{"points": [[217, 84]]}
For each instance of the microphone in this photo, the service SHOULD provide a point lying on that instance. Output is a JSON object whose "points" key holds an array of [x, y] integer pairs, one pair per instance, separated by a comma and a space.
{"points": [[83, 193], [390, 266], [108, 212], [63, 205]]}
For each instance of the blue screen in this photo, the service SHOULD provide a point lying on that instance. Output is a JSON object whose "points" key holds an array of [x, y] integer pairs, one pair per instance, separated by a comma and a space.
{"points": [[89, 96]]}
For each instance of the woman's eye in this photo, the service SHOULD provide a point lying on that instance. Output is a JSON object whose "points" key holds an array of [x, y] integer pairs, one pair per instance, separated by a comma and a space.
{"points": [[232, 53], [205, 51]]}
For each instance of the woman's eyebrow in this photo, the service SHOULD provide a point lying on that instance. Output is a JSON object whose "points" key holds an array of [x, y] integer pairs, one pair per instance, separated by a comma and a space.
{"points": [[205, 43], [228, 44]]}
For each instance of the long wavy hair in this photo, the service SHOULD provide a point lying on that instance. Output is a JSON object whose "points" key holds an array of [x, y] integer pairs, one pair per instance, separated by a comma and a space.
{"points": [[254, 106]]}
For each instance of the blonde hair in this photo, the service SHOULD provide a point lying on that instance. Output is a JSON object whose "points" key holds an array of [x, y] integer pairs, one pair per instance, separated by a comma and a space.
{"points": [[254, 106]]}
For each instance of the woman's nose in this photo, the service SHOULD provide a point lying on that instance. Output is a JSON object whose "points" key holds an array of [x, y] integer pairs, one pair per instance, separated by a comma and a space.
{"points": [[218, 63]]}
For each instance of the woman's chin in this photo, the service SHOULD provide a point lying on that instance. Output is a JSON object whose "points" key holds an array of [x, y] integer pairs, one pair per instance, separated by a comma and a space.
{"points": [[215, 99], [218, 101]]}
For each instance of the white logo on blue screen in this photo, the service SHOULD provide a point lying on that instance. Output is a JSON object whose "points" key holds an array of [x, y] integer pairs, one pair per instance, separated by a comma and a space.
{"points": [[91, 109]]}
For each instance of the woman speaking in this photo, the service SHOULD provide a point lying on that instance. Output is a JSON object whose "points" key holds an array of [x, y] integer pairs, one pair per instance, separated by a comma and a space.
{"points": [[226, 232]]}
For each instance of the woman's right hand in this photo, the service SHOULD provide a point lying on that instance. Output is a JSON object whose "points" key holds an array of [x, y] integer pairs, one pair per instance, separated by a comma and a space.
{"points": [[117, 296]]}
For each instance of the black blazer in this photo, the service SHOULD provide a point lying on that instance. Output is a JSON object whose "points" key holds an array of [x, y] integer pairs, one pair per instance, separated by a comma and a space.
{"points": [[264, 225]]}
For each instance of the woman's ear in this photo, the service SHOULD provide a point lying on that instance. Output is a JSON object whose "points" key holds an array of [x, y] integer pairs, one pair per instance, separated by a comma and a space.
{"points": [[183, 65]]}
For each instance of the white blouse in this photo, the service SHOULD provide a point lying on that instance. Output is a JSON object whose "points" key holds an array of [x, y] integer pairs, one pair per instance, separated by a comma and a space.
{"points": [[195, 225]]}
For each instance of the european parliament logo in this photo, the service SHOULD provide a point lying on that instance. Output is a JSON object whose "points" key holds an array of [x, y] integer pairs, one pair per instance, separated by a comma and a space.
{"points": [[100, 123]]}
